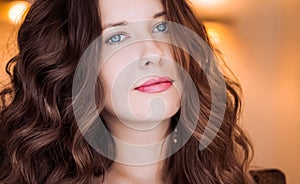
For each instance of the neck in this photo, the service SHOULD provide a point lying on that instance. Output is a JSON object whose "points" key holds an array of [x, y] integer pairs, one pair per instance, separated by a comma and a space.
{"points": [[139, 153], [151, 173]]}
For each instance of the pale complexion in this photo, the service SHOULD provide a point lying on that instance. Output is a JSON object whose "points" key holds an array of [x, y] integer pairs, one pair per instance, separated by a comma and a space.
{"points": [[130, 110]]}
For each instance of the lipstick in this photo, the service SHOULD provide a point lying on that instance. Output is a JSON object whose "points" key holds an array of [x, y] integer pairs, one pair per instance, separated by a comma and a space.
{"points": [[155, 85]]}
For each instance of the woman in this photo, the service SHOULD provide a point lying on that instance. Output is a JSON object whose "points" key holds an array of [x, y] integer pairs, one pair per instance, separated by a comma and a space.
{"points": [[50, 134]]}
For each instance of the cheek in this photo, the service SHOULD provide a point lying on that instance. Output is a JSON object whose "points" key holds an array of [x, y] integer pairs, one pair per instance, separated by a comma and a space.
{"points": [[108, 75], [112, 69]]}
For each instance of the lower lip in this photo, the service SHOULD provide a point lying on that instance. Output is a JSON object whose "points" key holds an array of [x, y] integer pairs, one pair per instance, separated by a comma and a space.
{"points": [[155, 88]]}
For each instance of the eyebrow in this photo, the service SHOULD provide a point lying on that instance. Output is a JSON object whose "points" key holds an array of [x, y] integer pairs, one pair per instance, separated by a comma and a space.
{"points": [[163, 13], [125, 22]]}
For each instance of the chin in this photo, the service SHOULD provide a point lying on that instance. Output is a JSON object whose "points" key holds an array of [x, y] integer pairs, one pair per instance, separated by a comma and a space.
{"points": [[154, 107]]}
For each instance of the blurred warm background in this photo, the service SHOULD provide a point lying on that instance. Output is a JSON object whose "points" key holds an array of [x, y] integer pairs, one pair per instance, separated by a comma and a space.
{"points": [[260, 42]]}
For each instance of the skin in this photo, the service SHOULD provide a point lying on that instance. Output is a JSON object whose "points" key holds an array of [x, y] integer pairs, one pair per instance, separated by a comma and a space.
{"points": [[135, 117]]}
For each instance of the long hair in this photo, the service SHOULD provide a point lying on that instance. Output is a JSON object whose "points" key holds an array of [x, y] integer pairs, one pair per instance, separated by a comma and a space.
{"points": [[40, 141]]}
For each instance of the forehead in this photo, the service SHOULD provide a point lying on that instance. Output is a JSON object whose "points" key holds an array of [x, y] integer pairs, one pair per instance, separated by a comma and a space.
{"points": [[113, 11]]}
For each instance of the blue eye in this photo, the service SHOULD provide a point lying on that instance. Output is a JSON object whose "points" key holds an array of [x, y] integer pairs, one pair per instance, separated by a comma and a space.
{"points": [[162, 27], [116, 38]]}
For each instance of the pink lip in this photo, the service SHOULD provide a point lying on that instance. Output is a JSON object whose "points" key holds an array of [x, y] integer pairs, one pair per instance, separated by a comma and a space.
{"points": [[155, 85]]}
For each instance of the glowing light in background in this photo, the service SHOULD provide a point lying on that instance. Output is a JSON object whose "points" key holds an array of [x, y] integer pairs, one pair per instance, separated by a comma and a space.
{"points": [[17, 10], [208, 3], [213, 34], [217, 9]]}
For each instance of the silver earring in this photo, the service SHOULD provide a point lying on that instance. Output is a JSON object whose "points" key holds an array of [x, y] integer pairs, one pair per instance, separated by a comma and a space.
{"points": [[175, 139]]}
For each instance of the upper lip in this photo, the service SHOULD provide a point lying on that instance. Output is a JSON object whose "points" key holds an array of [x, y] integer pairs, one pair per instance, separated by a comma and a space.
{"points": [[154, 80]]}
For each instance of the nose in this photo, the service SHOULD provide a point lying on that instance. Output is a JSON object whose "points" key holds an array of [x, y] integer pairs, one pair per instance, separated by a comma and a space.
{"points": [[151, 53]]}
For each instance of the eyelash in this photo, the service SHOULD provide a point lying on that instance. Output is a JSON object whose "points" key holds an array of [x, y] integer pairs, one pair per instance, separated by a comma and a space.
{"points": [[121, 34], [159, 24], [124, 35]]}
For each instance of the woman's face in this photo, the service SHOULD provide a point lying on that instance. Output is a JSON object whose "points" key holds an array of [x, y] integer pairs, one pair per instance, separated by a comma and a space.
{"points": [[140, 77]]}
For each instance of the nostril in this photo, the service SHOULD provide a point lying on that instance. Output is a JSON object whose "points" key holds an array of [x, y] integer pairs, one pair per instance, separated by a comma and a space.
{"points": [[147, 63]]}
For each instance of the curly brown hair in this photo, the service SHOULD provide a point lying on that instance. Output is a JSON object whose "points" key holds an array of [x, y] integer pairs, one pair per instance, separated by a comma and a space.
{"points": [[40, 141]]}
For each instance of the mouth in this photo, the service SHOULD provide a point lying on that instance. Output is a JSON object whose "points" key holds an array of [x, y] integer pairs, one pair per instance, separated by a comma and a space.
{"points": [[155, 85]]}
